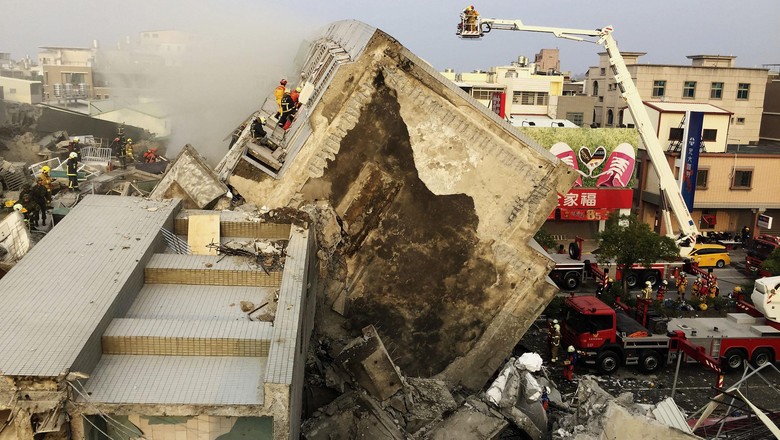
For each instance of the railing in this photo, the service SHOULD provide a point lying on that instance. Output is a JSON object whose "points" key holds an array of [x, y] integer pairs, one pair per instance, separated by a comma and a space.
{"points": [[96, 154]]}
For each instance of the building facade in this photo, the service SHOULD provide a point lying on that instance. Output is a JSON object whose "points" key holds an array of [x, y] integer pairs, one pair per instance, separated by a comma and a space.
{"points": [[20, 90], [67, 73], [710, 79]]}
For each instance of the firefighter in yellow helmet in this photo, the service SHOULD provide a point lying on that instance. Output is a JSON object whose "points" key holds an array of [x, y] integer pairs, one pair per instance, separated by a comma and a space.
{"points": [[46, 179]]}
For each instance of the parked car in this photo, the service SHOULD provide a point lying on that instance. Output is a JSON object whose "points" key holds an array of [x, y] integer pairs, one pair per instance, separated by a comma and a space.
{"points": [[709, 255]]}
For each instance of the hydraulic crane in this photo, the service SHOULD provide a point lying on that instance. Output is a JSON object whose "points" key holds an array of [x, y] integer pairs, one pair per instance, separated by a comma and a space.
{"points": [[474, 27]]}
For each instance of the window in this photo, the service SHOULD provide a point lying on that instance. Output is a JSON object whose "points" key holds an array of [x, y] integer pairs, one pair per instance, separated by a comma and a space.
{"points": [[709, 135], [610, 118], [577, 118], [676, 134], [701, 178], [716, 91], [603, 71], [12, 91], [689, 89], [529, 98], [742, 178], [659, 89], [740, 121], [483, 93], [595, 88], [743, 91]]}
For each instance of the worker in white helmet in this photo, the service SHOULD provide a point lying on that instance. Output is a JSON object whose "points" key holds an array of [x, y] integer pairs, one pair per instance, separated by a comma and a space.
{"points": [[647, 292], [72, 170]]}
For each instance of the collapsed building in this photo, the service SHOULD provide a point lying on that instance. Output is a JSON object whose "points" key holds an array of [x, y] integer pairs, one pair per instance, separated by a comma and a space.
{"points": [[124, 322], [423, 204], [427, 203]]}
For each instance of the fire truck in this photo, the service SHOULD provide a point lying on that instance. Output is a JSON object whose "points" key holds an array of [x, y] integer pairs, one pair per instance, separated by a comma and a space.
{"points": [[571, 270], [608, 338], [758, 251]]}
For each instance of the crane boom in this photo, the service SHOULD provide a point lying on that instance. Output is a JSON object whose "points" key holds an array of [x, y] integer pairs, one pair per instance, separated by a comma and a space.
{"points": [[475, 27]]}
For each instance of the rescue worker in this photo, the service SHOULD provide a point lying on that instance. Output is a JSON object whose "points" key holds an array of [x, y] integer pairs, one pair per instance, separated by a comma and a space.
{"points": [[123, 152], [545, 399], [288, 108], [129, 151], [75, 146], [568, 363], [712, 288], [605, 286], [150, 155], [745, 234], [682, 284], [31, 208], [25, 190], [258, 131], [555, 341], [72, 170], [470, 15], [45, 178], [659, 295], [647, 292], [41, 197], [696, 288], [278, 94], [295, 95], [736, 293]]}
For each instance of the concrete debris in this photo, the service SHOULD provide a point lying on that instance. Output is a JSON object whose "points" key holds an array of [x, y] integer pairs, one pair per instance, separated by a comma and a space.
{"points": [[191, 179], [15, 240], [471, 421], [427, 400], [599, 415], [247, 306], [352, 415], [368, 362]]}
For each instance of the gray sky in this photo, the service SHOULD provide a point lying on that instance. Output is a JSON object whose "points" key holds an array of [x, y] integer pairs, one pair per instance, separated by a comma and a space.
{"points": [[667, 30], [253, 43]]}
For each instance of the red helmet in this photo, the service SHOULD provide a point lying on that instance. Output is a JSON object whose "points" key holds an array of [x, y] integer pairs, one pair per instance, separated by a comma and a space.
{"points": [[283, 82]]}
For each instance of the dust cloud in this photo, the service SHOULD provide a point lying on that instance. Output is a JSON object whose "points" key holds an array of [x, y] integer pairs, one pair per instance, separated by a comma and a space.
{"points": [[230, 66]]}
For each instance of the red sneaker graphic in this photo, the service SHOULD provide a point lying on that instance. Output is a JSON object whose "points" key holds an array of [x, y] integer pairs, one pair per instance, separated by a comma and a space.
{"points": [[619, 167], [564, 152]]}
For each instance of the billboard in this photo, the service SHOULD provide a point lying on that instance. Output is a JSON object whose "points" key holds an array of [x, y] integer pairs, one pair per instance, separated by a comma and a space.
{"points": [[604, 159], [690, 155]]}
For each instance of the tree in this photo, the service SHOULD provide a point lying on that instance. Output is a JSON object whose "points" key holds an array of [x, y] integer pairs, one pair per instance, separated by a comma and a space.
{"points": [[772, 263], [545, 239], [627, 241]]}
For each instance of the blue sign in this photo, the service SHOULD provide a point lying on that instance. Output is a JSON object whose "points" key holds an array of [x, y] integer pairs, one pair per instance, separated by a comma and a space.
{"points": [[693, 129]]}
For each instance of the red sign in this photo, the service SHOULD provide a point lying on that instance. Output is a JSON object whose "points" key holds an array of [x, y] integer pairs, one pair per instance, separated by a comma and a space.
{"points": [[498, 103], [592, 203]]}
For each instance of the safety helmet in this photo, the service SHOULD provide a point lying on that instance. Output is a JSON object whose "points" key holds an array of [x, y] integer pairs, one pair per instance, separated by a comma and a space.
{"points": [[18, 207], [45, 168], [283, 82], [262, 120], [703, 306], [298, 89], [571, 349], [129, 140], [557, 327], [75, 139], [738, 289], [648, 283], [611, 280], [555, 321], [73, 155], [665, 282]]}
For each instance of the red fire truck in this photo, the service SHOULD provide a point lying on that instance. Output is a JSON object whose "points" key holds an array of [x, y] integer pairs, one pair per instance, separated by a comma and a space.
{"points": [[608, 338], [758, 251]]}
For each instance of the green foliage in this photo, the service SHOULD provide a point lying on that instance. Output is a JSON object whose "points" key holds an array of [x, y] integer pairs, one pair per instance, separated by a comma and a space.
{"points": [[627, 241], [545, 239], [772, 264]]}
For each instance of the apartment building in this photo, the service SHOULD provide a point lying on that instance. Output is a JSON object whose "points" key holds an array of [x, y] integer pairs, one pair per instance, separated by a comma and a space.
{"points": [[67, 73], [20, 90], [709, 79]]}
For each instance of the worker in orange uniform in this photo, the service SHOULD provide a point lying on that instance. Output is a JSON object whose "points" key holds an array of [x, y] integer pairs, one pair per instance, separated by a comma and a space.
{"points": [[278, 94], [568, 363], [682, 284], [46, 179]]}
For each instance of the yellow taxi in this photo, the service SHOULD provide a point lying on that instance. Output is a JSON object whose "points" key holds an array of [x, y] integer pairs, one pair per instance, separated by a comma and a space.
{"points": [[709, 255]]}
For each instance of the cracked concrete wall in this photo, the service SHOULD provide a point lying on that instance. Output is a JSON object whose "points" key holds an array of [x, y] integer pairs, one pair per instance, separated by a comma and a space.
{"points": [[444, 270]]}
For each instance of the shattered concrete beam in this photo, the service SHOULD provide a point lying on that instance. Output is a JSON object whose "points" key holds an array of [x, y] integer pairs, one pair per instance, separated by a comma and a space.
{"points": [[438, 198]]}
